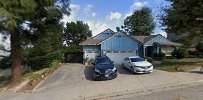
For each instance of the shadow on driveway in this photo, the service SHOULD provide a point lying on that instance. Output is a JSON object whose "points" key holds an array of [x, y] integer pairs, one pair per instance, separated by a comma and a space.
{"points": [[89, 73], [122, 70], [197, 72]]}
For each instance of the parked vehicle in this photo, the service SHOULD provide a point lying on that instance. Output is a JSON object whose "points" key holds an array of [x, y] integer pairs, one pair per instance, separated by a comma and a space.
{"points": [[137, 64], [104, 68]]}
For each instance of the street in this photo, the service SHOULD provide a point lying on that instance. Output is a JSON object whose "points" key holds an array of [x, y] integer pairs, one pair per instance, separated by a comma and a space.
{"points": [[194, 92]]}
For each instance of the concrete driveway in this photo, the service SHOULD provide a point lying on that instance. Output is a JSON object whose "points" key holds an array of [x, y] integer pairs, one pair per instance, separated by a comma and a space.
{"points": [[75, 82]]}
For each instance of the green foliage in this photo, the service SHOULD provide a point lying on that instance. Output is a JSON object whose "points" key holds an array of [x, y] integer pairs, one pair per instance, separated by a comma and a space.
{"points": [[199, 47], [5, 63], [13, 11], [180, 53], [140, 22], [76, 33], [42, 44], [149, 59], [37, 61], [73, 48], [2, 47], [159, 56], [183, 16], [177, 65]]}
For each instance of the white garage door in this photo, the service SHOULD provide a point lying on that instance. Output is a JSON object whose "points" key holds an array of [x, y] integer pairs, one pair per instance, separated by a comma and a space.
{"points": [[118, 56]]}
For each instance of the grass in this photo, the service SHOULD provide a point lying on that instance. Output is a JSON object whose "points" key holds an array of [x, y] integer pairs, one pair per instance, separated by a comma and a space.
{"points": [[179, 65]]}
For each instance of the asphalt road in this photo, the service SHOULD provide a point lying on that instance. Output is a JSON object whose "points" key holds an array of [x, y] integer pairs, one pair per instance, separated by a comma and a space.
{"points": [[194, 92]]}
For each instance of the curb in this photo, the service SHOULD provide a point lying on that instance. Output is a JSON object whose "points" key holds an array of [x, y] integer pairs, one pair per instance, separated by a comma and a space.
{"points": [[141, 92], [46, 77]]}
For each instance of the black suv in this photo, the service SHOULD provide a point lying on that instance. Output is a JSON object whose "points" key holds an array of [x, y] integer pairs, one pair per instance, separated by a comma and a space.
{"points": [[104, 68]]}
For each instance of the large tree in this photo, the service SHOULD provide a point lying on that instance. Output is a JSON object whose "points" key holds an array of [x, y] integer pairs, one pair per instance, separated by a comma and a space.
{"points": [[76, 32], [14, 12], [184, 16], [140, 22]]}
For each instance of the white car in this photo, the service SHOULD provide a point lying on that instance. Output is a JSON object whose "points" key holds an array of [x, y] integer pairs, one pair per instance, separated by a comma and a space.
{"points": [[137, 64]]}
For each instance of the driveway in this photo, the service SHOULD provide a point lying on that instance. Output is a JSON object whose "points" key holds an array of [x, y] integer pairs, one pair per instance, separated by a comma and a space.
{"points": [[75, 82]]}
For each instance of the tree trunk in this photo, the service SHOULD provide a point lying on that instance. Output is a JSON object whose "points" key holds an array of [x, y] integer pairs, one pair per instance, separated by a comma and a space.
{"points": [[15, 57]]}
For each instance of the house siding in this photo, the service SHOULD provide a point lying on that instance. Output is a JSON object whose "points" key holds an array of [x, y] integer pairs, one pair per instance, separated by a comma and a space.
{"points": [[119, 42], [103, 36], [158, 38]]}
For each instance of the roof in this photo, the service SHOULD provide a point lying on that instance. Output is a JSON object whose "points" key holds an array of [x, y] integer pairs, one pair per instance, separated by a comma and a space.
{"points": [[169, 43], [105, 31], [144, 39], [91, 42], [96, 42]]}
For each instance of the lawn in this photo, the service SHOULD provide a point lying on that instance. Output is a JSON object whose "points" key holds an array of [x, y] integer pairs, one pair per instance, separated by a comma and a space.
{"points": [[179, 65]]}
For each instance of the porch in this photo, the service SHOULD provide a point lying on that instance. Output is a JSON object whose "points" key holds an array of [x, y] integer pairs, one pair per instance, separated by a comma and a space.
{"points": [[157, 47]]}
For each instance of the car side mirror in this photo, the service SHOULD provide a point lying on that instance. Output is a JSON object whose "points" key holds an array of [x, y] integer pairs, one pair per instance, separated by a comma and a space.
{"points": [[128, 61]]}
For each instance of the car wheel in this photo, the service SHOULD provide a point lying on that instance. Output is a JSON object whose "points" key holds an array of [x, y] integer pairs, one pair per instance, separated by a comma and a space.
{"points": [[96, 79], [132, 70]]}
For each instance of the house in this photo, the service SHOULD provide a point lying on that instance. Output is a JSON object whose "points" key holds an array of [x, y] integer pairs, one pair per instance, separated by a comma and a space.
{"points": [[118, 45], [154, 44]]}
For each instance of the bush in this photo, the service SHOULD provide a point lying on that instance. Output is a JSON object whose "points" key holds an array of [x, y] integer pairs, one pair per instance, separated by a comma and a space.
{"points": [[199, 47], [159, 56], [90, 61], [44, 61], [180, 53], [5, 63], [149, 59]]}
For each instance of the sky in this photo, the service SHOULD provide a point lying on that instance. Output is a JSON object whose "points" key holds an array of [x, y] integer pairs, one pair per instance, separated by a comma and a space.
{"points": [[103, 14]]}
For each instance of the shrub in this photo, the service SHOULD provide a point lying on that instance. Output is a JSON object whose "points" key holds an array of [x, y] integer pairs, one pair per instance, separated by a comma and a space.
{"points": [[5, 63], [180, 53], [149, 59], [90, 61], [199, 47], [44, 61], [159, 56]]}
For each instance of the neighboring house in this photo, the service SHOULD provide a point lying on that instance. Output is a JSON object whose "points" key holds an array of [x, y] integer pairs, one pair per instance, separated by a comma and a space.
{"points": [[118, 45], [154, 44]]}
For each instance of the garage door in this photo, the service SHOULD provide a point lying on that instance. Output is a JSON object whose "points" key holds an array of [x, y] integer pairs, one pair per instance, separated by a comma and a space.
{"points": [[118, 56]]}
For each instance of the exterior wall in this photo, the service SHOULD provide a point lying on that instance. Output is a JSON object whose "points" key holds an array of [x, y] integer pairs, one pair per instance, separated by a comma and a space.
{"points": [[103, 36], [118, 47], [158, 38], [119, 42], [91, 51]]}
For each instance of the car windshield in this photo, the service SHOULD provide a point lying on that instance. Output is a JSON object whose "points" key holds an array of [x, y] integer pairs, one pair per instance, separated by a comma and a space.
{"points": [[136, 59], [102, 61]]}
